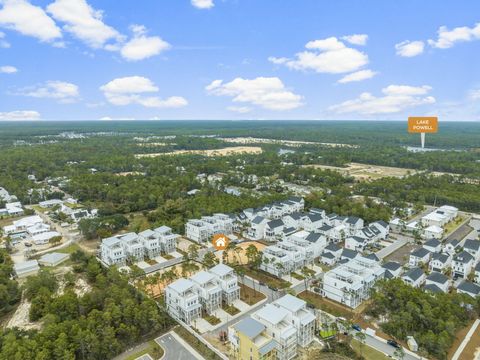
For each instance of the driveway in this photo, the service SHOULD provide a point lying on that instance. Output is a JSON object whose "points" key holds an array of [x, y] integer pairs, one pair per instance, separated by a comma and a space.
{"points": [[174, 349]]}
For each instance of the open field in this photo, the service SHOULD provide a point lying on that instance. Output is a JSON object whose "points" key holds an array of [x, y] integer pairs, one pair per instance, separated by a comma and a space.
{"points": [[234, 150], [326, 305], [473, 346], [266, 278], [367, 352], [250, 296], [363, 172]]}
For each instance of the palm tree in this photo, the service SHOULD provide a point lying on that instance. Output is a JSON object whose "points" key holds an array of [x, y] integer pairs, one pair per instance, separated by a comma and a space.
{"points": [[361, 337], [399, 353]]}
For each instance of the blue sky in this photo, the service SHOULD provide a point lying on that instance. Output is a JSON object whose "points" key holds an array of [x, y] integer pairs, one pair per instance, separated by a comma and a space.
{"points": [[239, 59]]}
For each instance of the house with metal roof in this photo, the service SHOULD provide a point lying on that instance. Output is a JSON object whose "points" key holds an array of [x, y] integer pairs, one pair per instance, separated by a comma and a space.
{"points": [[228, 282], [277, 325], [393, 269], [469, 288], [53, 259], [300, 316], [414, 277], [250, 340], [473, 248], [274, 229], [209, 291], [183, 301], [350, 282], [355, 243], [439, 280], [433, 245], [440, 262], [26, 268], [462, 265], [418, 257]]}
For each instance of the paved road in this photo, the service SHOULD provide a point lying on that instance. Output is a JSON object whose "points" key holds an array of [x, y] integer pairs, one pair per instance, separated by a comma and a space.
{"points": [[174, 350], [385, 348]]}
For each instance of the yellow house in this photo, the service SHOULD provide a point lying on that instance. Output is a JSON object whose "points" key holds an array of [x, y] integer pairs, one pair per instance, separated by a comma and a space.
{"points": [[251, 342]]}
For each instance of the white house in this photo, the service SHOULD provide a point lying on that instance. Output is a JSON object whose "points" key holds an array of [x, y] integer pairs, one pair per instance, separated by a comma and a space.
{"points": [[312, 221], [462, 265], [26, 268], [50, 203], [183, 301], [414, 277], [353, 224], [27, 222], [438, 280], [44, 237], [477, 273], [433, 245], [274, 229], [209, 292], [112, 252], [418, 257], [276, 261], [450, 211], [434, 218], [300, 317], [469, 288], [440, 262], [473, 248], [350, 283], [397, 225], [433, 232], [277, 324], [228, 282], [256, 231], [452, 246], [331, 254], [392, 269], [355, 243]]}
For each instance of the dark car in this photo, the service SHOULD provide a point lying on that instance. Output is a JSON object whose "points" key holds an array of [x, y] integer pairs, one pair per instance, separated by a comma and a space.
{"points": [[356, 327], [261, 283], [393, 343], [272, 288]]}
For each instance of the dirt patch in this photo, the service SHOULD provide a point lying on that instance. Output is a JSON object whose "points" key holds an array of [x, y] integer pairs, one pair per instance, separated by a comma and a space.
{"points": [[213, 152], [82, 287], [364, 172], [472, 346], [20, 318]]}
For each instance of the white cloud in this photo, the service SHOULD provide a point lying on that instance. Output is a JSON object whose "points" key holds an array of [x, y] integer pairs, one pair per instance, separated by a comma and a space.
{"points": [[358, 76], [410, 48], [239, 109], [84, 22], [7, 69], [61, 91], [356, 39], [141, 46], [325, 56], [108, 118], [474, 95], [203, 4], [3, 43], [19, 115], [27, 19], [396, 98], [267, 92], [131, 90], [447, 38]]}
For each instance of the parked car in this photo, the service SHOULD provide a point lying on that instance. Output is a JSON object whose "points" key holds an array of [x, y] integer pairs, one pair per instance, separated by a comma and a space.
{"points": [[356, 327], [393, 343]]}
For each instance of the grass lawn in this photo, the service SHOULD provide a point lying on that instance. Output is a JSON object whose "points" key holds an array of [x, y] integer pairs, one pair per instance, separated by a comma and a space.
{"points": [[324, 334], [452, 225], [154, 350], [68, 249], [200, 347], [326, 305], [297, 276], [266, 278], [368, 352], [167, 257], [151, 262], [230, 309], [249, 296], [212, 319]]}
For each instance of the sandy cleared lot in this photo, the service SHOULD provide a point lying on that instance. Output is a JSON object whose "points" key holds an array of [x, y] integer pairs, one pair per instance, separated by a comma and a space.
{"points": [[214, 152], [236, 256], [252, 140], [364, 172], [20, 318]]}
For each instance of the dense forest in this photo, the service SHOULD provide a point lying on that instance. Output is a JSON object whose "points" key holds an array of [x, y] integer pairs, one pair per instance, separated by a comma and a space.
{"points": [[432, 319], [9, 291], [98, 325]]}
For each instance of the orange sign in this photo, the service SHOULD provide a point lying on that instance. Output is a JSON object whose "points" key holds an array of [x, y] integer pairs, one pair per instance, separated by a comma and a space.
{"points": [[220, 242], [422, 124]]}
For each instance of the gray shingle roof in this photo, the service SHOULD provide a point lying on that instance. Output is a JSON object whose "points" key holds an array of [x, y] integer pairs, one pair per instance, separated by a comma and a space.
{"points": [[414, 274], [463, 257], [392, 266], [437, 277], [469, 287], [332, 247], [420, 252], [432, 243], [433, 288], [443, 258], [351, 254], [471, 244]]}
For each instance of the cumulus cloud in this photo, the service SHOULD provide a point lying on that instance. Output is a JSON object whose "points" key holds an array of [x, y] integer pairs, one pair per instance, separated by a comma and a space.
{"points": [[142, 46], [83, 22], [358, 76], [19, 115], [410, 48], [7, 69], [132, 90], [108, 118], [395, 99], [61, 91], [325, 56], [474, 95], [267, 92], [356, 39], [447, 38], [29, 20], [203, 4]]}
